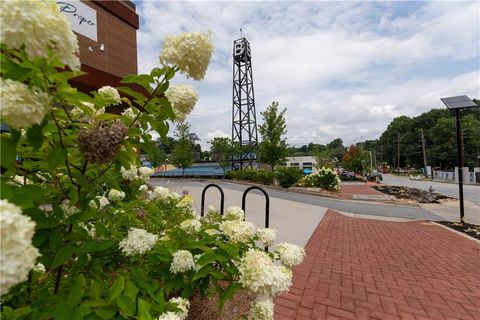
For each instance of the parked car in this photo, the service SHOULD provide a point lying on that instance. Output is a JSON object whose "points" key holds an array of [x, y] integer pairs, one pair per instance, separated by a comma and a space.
{"points": [[347, 174]]}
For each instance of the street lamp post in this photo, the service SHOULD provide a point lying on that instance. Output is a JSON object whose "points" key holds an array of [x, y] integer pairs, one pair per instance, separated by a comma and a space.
{"points": [[456, 104]]}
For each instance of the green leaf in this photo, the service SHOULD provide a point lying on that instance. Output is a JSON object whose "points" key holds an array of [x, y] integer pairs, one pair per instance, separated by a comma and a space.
{"points": [[7, 153], [95, 290], [35, 136], [157, 72], [63, 255], [207, 258], [132, 93], [73, 194], [17, 72], [126, 305], [232, 250], [41, 220], [26, 196], [81, 312], [229, 293], [143, 307], [131, 290], [55, 157], [76, 293], [116, 289], [63, 311], [144, 80], [203, 272], [106, 312]]}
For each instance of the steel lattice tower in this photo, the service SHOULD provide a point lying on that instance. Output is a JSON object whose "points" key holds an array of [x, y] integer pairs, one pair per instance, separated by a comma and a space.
{"points": [[244, 120]]}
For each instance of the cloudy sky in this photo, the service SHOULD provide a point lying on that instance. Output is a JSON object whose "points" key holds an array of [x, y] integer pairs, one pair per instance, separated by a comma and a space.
{"points": [[342, 69]]}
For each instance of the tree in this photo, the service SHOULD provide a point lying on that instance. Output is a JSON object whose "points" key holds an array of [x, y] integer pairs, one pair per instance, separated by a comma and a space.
{"points": [[273, 148], [182, 153], [222, 150], [154, 152], [323, 158], [335, 144], [352, 159]]}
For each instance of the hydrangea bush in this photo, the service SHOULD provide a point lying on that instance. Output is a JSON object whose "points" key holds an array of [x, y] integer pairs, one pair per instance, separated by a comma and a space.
{"points": [[83, 235], [325, 178]]}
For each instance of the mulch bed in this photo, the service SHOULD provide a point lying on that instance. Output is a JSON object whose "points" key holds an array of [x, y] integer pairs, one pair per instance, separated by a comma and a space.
{"points": [[207, 308], [412, 194], [470, 229]]}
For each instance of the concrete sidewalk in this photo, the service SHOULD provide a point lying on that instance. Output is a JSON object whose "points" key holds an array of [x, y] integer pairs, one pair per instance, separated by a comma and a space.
{"points": [[450, 210], [369, 269]]}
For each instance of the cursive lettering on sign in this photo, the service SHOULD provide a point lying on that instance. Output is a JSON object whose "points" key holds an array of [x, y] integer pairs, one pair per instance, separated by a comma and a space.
{"points": [[71, 9]]}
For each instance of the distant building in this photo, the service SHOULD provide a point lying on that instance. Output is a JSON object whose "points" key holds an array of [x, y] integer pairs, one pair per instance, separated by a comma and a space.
{"points": [[304, 163]]}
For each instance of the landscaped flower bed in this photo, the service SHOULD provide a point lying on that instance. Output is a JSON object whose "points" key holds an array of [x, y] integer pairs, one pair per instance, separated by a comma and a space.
{"points": [[83, 236], [412, 194]]}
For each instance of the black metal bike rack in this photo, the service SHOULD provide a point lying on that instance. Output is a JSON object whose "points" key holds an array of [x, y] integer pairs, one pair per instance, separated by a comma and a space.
{"points": [[244, 197], [267, 203], [222, 198]]}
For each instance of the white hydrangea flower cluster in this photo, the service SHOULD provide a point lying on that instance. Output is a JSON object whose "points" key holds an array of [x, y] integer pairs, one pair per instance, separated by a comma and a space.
{"points": [[17, 254], [267, 236], [90, 228], [212, 232], [191, 226], [39, 268], [182, 98], [185, 202], [182, 304], [21, 106], [144, 173], [238, 231], [67, 209], [129, 174], [212, 215], [115, 195], [19, 180], [110, 95], [102, 202], [182, 262], [143, 188], [234, 213], [91, 107], [169, 315], [262, 309], [289, 254], [138, 241], [325, 178], [259, 275], [163, 194], [190, 52], [130, 113], [39, 26]]}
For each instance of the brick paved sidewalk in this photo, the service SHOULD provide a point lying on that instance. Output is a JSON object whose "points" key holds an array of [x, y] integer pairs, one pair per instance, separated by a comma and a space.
{"points": [[347, 191], [370, 269]]}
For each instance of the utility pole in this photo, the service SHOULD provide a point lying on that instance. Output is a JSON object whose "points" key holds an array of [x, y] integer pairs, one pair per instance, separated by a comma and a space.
{"points": [[424, 154], [398, 152], [371, 163]]}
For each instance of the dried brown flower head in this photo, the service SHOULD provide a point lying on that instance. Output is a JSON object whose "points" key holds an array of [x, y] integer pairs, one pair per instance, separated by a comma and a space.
{"points": [[101, 144]]}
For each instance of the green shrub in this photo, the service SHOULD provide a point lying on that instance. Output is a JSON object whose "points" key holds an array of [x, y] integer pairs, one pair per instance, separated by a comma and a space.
{"points": [[325, 178], [260, 175], [288, 176]]}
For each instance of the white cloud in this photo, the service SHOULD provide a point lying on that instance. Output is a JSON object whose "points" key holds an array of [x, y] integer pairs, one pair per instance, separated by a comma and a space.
{"points": [[217, 134], [342, 69]]}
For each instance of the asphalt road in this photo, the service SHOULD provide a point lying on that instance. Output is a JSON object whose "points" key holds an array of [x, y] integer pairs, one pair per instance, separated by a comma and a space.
{"points": [[470, 192], [356, 207]]}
